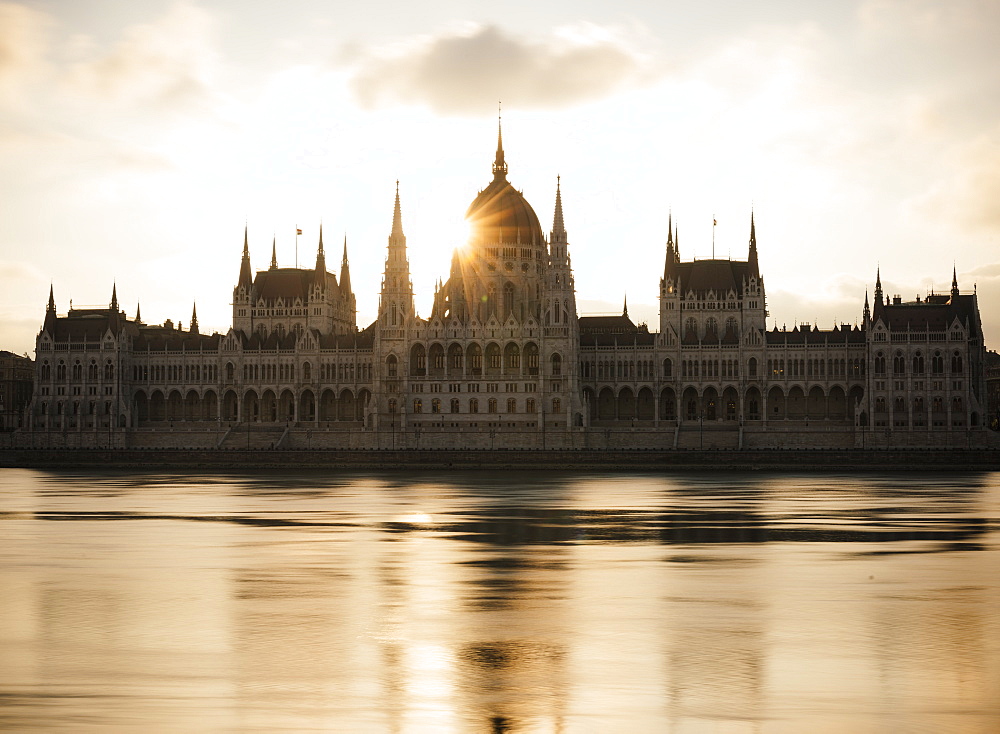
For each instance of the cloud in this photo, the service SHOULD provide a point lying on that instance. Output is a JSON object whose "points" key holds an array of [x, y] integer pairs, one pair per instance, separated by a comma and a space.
{"points": [[23, 45], [465, 71], [168, 63]]}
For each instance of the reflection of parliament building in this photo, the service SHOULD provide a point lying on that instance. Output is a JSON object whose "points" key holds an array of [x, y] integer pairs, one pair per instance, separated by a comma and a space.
{"points": [[505, 361]]}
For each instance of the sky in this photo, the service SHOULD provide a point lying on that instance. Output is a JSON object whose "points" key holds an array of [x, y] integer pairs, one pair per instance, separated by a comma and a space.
{"points": [[138, 139]]}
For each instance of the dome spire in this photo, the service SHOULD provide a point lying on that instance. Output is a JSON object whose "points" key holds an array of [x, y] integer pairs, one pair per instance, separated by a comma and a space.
{"points": [[397, 217], [499, 165]]}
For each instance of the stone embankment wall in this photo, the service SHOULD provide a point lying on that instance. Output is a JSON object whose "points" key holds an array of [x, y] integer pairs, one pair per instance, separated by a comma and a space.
{"points": [[780, 436], [641, 460]]}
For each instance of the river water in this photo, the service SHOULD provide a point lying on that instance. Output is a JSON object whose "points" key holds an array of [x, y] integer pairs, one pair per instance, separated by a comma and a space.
{"points": [[499, 602]]}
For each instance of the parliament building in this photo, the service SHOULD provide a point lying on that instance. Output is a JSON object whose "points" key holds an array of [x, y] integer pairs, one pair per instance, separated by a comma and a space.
{"points": [[505, 361]]}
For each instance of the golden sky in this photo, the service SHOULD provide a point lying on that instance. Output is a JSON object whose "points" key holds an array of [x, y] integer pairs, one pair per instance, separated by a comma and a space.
{"points": [[136, 139]]}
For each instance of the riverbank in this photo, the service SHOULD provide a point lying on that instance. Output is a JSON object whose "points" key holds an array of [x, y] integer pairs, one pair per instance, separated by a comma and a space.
{"points": [[839, 460]]}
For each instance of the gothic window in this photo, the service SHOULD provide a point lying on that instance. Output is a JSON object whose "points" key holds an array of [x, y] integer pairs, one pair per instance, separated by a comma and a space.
{"points": [[937, 363], [454, 405], [879, 364], [491, 405], [712, 328], [46, 371], [556, 365], [531, 356], [879, 405], [918, 364], [392, 405], [752, 367], [898, 364], [61, 370], [956, 363], [109, 371], [508, 300], [511, 405], [307, 372], [529, 406], [418, 360], [77, 371], [692, 410], [556, 405], [691, 328], [418, 406], [474, 405]]}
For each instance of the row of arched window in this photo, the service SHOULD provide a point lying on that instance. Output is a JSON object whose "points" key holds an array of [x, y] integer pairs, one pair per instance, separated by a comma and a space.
{"points": [[436, 361], [916, 363], [75, 371], [473, 406]]}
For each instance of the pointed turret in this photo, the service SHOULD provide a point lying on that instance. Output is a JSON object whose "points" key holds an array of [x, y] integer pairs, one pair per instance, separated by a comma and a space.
{"points": [[879, 300], [396, 303], [753, 243], [625, 307], [677, 245], [246, 274], [954, 282], [50, 312], [868, 311], [345, 273], [194, 318], [669, 260], [558, 233], [114, 316], [320, 277], [114, 298], [138, 315], [499, 165], [274, 253]]}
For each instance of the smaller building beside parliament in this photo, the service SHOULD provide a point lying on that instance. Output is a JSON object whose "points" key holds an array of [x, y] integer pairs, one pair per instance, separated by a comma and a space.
{"points": [[504, 361]]}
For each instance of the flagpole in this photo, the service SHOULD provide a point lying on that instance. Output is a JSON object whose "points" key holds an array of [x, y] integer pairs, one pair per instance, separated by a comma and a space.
{"points": [[714, 222], [296, 247]]}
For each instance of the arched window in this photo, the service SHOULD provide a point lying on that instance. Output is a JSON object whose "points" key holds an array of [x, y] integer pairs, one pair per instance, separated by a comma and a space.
{"points": [[937, 363], [752, 367], [491, 405], [61, 370], [511, 405], [307, 371], [956, 363], [418, 406], [508, 300], [77, 371], [454, 405], [668, 368], [474, 405], [918, 364], [529, 406], [898, 364], [556, 365]]}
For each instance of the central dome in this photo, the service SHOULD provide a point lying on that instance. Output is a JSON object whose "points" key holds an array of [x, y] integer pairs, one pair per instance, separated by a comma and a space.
{"points": [[500, 212]]}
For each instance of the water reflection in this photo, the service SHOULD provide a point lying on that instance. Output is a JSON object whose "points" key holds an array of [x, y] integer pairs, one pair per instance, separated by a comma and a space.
{"points": [[499, 603]]}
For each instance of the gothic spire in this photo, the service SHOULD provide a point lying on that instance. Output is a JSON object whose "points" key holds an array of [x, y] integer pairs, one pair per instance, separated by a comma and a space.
{"points": [[274, 253], [345, 272], [499, 165], [625, 307], [246, 275], [50, 313], [138, 315], [52, 301], [954, 281], [320, 256], [753, 240], [194, 318], [558, 226], [114, 298]]}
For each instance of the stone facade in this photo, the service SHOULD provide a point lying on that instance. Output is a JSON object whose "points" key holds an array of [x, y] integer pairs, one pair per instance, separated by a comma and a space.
{"points": [[504, 360], [17, 379]]}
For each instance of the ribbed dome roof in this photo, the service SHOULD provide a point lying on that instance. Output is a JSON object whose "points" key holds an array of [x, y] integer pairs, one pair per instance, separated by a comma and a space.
{"points": [[501, 213]]}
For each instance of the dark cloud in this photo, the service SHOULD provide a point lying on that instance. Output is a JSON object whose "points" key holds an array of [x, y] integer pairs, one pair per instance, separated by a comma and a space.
{"points": [[466, 72]]}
